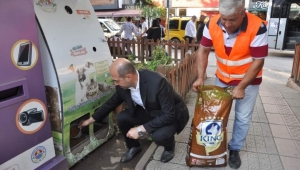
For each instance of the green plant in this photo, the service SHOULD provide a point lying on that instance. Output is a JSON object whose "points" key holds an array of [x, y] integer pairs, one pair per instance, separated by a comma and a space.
{"points": [[160, 58]]}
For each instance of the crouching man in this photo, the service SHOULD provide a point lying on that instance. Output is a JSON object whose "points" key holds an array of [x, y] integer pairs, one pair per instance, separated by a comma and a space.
{"points": [[153, 107]]}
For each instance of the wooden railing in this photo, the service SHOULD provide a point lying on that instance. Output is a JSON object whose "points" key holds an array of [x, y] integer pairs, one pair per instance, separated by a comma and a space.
{"points": [[140, 48], [296, 65], [181, 75]]}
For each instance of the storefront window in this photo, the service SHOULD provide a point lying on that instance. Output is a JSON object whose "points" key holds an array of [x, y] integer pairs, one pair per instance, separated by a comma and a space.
{"points": [[182, 12]]}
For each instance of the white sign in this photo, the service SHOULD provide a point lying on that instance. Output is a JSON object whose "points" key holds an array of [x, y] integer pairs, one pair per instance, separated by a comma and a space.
{"points": [[261, 5]]}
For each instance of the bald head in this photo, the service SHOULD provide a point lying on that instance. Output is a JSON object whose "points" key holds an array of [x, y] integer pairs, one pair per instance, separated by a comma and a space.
{"points": [[122, 67]]}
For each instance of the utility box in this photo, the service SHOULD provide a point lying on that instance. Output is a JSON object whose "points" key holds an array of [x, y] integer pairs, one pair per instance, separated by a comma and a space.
{"points": [[75, 58], [25, 140]]}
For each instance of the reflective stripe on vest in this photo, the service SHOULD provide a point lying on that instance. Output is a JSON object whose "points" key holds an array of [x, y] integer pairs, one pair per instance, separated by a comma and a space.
{"points": [[234, 63], [234, 76]]}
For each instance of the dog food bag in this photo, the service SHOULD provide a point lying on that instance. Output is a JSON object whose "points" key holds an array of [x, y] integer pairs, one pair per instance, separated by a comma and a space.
{"points": [[208, 140]]}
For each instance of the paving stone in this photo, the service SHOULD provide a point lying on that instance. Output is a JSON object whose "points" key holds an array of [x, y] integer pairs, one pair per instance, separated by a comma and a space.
{"points": [[244, 159], [270, 108], [290, 163], [294, 131], [291, 95], [258, 99], [293, 102], [250, 143], [251, 130], [280, 131], [263, 93], [270, 145], [260, 144], [183, 136], [275, 162], [229, 136], [180, 153], [285, 110], [276, 94], [291, 120], [275, 118], [255, 117], [158, 152], [296, 110], [230, 125], [267, 100], [262, 117], [280, 101], [253, 162], [266, 129], [287, 147], [257, 129], [264, 162]]}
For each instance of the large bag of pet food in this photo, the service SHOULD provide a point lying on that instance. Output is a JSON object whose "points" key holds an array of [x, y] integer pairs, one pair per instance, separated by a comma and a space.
{"points": [[208, 140]]}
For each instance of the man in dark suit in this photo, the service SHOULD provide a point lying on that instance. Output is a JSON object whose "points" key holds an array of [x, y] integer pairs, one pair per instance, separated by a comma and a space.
{"points": [[153, 107]]}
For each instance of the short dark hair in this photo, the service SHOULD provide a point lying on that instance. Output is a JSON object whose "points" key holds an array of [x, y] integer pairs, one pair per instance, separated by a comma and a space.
{"points": [[143, 18], [126, 68], [129, 19], [159, 20]]}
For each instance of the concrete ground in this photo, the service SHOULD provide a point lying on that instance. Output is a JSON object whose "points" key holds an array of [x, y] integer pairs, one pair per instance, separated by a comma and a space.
{"points": [[273, 141]]}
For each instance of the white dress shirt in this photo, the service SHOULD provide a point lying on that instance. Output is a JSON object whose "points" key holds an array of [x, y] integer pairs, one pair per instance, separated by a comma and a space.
{"points": [[136, 94], [144, 26], [190, 29]]}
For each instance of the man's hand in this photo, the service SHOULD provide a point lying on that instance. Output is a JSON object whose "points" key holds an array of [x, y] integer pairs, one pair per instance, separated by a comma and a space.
{"points": [[86, 122], [133, 133], [238, 93], [197, 83]]}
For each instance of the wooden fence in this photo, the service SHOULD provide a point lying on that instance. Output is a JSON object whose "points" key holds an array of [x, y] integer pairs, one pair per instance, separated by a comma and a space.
{"points": [[181, 75], [141, 47], [296, 65]]}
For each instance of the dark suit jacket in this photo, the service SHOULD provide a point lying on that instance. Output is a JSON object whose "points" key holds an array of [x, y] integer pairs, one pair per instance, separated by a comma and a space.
{"points": [[159, 98]]}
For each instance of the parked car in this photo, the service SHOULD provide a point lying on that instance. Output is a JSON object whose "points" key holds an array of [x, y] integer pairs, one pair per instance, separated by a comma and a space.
{"points": [[177, 28], [109, 27]]}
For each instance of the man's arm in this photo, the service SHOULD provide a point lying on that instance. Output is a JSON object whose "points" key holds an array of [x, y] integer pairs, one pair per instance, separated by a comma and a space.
{"points": [[201, 64], [104, 110], [135, 31], [251, 74], [258, 51], [122, 29]]}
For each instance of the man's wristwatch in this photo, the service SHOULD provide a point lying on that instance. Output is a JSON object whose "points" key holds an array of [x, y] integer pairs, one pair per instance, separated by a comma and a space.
{"points": [[140, 132]]}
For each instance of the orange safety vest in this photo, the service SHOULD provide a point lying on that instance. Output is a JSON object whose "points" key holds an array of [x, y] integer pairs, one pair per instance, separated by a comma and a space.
{"points": [[234, 66]]}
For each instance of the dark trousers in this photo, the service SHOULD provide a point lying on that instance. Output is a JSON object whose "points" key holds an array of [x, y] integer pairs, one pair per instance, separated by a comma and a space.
{"points": [[190, 39], [163, 136]]}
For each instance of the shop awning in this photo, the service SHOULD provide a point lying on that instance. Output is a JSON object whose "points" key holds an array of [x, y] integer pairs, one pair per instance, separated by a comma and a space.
{"points": [[119, 13]]}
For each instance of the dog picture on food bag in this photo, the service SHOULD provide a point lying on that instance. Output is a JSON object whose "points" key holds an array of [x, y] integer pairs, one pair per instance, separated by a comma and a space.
{"points": [[210, 135]]}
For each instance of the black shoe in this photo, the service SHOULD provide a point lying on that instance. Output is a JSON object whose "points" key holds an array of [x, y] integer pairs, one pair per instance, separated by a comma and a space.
{"points": [[167, 155], [234, 159], [130, 154]]}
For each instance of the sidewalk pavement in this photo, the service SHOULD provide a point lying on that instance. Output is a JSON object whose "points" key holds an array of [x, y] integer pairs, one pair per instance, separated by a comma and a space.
{"points": [[273, 141]]}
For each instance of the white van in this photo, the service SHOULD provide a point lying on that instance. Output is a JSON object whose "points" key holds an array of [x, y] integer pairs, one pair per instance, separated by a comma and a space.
{"points": [[109, 26]]}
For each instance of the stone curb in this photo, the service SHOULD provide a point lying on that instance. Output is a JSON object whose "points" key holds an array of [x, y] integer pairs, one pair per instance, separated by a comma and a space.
{"points": [[141, 165]]}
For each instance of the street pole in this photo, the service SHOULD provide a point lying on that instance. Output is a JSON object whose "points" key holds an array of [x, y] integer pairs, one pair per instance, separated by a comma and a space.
{"points": [[168, 18]]}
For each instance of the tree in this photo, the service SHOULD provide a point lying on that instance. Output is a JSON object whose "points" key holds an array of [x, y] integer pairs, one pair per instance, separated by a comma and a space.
{"points": [[144, 2]]}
